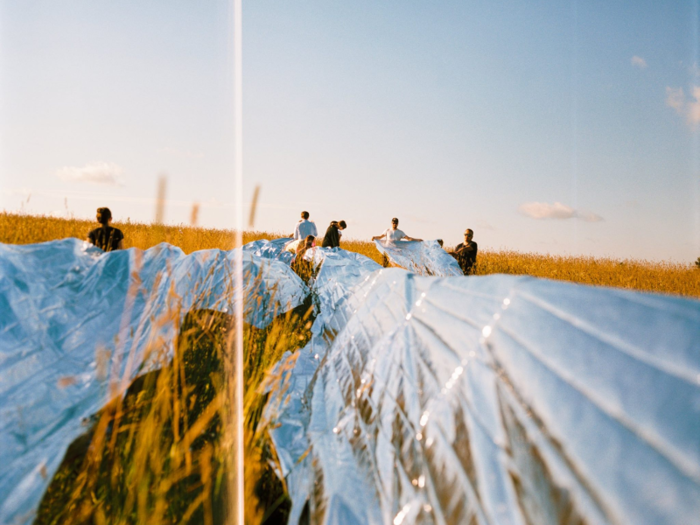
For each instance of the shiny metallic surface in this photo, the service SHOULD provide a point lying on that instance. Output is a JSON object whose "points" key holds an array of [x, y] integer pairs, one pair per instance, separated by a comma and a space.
{"points": [[492, 400], [484, 400], [65, 306], [420, 257]]}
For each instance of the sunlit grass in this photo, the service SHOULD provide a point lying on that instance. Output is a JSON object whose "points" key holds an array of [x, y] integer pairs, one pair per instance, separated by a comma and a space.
{"points": [[159, 453], [30, 229], [673, 278]]}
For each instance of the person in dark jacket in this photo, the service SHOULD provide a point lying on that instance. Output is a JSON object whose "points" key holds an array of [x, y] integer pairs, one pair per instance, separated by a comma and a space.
{"points": [[106, 237], [332, 237], [465, 252]]}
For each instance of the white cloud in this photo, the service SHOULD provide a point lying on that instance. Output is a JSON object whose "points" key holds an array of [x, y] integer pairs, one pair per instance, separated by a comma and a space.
{"points": [[104, 173], [559, 211], [686, 107], [639, 62]]}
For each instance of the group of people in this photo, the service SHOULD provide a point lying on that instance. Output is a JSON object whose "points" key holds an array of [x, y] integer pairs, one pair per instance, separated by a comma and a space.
{"points": [[306, 230], [109, 238], [305, 234]]}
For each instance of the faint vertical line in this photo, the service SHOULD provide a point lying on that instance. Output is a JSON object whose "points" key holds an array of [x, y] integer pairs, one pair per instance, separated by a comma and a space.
{"points": [[695, 140], [574, 118], [238, 175]]}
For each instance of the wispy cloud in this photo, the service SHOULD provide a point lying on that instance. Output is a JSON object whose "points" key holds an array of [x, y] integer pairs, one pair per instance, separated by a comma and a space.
{"points": [[686, 107], [104, 173], [638, 62], [557, 211]]}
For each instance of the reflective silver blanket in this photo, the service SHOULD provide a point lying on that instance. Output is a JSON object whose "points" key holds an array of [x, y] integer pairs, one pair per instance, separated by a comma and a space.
{"points": [[420, 257], [492, 400], [487, 400], [73, 318]]}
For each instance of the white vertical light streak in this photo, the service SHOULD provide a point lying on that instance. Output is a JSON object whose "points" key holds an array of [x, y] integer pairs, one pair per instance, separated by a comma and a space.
{"points": [[695, 142], [238, 277]]}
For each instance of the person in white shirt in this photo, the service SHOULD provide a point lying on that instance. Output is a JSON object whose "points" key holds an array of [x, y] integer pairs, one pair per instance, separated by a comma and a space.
{"points": [[393, 234], [305, 227]]}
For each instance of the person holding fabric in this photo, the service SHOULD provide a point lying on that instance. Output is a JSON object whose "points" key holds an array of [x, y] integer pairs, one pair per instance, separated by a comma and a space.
{"points": [[393, 234], [292, 246], [106, 237], [308, 242], [465, 252], [305, 227], [332, 237], [301, 266]]}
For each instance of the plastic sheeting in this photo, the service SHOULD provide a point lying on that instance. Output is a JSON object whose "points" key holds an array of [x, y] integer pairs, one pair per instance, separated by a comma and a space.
{"points": [[492, 400], [487, 400], [274, 249], [420, 257], [66, 306]]}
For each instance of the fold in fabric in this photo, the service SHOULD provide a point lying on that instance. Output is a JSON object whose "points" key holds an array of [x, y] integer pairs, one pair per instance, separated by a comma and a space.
{"points": [[420, 257], [419, 399], [491, 400], [64, 305]]}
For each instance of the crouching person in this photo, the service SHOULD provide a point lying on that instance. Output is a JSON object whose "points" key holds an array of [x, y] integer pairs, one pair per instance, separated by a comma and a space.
{"points": [[302, 267]]}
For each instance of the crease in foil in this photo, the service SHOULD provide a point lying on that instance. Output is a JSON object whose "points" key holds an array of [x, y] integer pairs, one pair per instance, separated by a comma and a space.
{"points": [[63, 304], [491, 400], [420, 257]]}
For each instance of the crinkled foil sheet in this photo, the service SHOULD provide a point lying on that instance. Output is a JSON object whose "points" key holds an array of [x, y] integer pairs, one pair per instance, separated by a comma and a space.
{"points": [[490, 400], [485, 400], [65, 305], [420, 257]]}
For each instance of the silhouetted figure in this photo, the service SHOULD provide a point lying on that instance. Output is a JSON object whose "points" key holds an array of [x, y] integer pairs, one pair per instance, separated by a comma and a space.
{"points": [[393, 234], [305, 227], [465, 252], [106, 237], [332, 237]]}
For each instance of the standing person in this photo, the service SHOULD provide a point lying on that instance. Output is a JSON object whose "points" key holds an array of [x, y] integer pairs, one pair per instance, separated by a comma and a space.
{"points": [[106, 237], [465, 252], [332, 237], [393, 234], [305, 227]]}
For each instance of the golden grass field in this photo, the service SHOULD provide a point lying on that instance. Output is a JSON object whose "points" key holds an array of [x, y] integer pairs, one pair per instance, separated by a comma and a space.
{"points": [[159, 454], [670, 278]]}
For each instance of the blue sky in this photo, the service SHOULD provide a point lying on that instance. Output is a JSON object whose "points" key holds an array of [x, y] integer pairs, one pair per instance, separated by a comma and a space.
{"points": [[554, 127]]}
